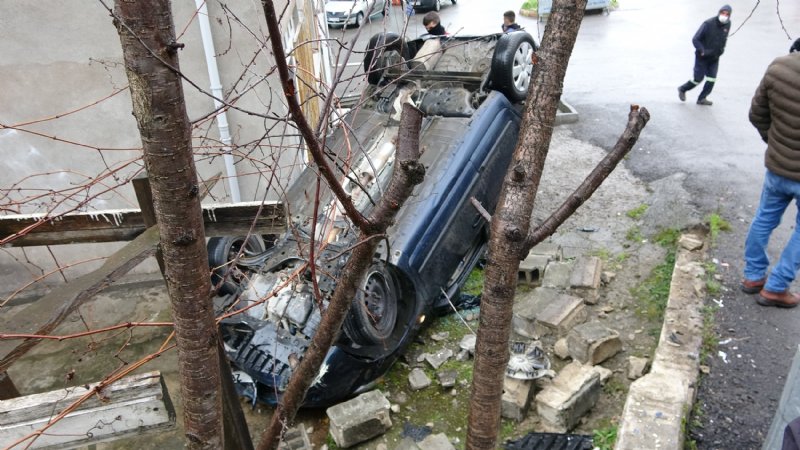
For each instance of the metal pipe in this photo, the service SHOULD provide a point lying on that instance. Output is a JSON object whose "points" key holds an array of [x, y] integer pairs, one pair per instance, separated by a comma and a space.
{"points": [[216, 90]]}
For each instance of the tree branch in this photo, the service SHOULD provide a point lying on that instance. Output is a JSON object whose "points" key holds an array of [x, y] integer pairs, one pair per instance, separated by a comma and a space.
{"points": [[302, 124]]}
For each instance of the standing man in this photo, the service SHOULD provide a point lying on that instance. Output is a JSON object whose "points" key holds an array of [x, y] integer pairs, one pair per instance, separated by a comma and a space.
{"points": [[709, 43], [774, 112]]}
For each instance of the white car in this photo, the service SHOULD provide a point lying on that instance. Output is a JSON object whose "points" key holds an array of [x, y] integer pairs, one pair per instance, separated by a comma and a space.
{"points": [[352, 12]]}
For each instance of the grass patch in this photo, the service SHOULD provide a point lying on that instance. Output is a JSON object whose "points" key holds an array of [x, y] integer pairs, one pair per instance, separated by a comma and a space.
{"points": [[716, 224], [653, 293], [710, 338], [713, 287], [634, 234], [604, 438], [637, 213], [474, 283]]}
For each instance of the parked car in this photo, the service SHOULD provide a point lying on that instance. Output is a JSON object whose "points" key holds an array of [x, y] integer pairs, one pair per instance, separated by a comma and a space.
{"points": [[429, 5], [470, 89], [353, 12]]}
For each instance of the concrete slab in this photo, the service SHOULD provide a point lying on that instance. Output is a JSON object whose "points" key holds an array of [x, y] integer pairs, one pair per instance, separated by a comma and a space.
{"points": [[593, 343], [359, 419], [572, 393], [544, 311]]}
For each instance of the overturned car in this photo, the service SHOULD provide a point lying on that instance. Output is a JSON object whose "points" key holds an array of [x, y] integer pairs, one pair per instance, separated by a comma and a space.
{"points": [[470, 89]]}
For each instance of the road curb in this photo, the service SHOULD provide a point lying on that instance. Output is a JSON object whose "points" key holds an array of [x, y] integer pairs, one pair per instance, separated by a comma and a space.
{"points": [[658, 404]]}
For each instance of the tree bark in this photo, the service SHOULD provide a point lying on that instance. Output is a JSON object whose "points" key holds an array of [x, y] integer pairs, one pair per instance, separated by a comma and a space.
{"points": [[511, 222], [147, 36]]}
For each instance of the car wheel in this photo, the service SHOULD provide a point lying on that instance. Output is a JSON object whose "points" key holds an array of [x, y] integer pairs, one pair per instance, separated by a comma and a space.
{"points": [[378, 48], [453, 1], [222, 251], [373, 314], [512, 65], [359, 20], [437, 5]]}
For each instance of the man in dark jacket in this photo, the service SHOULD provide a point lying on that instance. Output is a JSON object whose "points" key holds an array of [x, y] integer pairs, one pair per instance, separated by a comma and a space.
{"points": [[709, 43], [774, 113], [510, 22]]}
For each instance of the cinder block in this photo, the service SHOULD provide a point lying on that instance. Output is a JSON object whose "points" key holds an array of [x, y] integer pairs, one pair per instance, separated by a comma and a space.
{"points": [[593, 343], [544, 311], [359, 419], [295, 438], [531, 269], [516, 398], [572, 393]]}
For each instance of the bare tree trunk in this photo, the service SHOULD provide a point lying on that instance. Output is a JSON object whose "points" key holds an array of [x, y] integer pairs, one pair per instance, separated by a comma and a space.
{"points": [[511, 222], [148, 43]]}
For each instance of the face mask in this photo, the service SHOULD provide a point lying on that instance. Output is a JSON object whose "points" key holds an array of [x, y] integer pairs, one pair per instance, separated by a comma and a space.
{"points": [[723, 18]]}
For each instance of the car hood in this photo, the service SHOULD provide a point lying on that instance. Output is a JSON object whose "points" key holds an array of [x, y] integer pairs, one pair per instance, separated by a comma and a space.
{"points": [[343, 6]]}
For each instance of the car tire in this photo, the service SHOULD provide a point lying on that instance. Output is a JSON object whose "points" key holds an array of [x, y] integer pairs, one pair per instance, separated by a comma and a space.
{"points": [[222, 250], [512, 65], [373, 313], [437, 5], [453, 2], [359, 20], [375, 55]]}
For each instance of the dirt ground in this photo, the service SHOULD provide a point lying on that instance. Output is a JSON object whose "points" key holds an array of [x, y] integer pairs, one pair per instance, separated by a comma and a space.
{"points": [[602, 227]]}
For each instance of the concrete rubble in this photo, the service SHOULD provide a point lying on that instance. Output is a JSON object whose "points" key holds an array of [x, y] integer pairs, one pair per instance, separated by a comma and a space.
{"points": [[516, 398], [572, 393], [546, 310], [593, 343], [359, 419], [418, 380]]}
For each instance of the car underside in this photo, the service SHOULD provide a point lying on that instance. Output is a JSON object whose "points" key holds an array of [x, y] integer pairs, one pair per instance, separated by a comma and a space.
{"points": [[273, 296]]}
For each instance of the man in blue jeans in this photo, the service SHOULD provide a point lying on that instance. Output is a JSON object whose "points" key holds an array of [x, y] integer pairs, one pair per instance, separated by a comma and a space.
{"points": [[775, 112]]}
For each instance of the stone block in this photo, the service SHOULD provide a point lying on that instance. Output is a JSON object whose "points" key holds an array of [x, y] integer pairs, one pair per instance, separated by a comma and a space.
{"points": [[593, 343], [637, 367], [690, 242], [418, 380], [544, 311], [468, 342], [585, 278], [440, 357], [516, 398], [407, 444], [572, 393], [557, 274], [295, 438], [436, 442], [447, 378], [561, 349], [531, 269], [605, 374], [359, 419], [551, 250]]}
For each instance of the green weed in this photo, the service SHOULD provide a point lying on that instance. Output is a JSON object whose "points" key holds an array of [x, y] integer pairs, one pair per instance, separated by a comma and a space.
{"points": [[604, 438], [710, 338], [667, 238], [531, 5], [637, 213], [653, 293], [716, 224], [634, 234], [474, 284]]}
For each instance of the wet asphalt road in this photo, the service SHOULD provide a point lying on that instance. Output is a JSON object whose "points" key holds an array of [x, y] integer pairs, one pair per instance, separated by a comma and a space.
{"points": [[639, 54]]}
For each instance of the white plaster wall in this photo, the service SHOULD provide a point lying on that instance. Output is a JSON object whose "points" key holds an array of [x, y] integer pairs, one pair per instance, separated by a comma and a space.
{"points": [[59, 56]]}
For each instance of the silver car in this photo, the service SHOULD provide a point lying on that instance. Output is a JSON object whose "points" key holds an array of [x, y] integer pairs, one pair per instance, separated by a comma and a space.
{"points": [[353, 12]]}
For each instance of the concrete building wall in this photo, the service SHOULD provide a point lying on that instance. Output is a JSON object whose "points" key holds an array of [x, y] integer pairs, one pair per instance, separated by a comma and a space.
{"points": [[70, 141]]}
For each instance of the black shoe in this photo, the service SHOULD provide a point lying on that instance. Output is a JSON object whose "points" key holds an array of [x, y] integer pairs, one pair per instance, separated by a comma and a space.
{"points": [[682, 94], [704, 101]]}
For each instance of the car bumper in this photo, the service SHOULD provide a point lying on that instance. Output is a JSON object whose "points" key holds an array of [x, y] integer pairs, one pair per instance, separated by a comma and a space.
{"points": [[340, 21]]}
